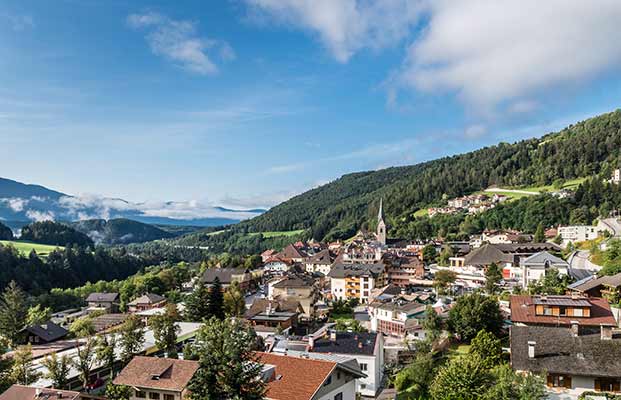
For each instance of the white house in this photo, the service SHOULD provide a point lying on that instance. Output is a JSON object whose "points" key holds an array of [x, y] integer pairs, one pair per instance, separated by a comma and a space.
{"points": [[577, 233], [535, 267]]}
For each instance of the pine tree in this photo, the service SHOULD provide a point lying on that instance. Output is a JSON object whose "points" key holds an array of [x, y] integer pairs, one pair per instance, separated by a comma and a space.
{"points": [[216, 300], [13, 312], [540, 234], [493, 276], [197, 304], [165, 330]]}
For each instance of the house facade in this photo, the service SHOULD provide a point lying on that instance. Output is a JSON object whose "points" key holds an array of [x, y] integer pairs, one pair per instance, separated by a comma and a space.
{"points": [[356, 281]]}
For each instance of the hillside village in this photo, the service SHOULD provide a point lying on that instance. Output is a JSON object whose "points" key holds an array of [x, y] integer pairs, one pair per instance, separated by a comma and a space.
{"points": [[341, 320]]}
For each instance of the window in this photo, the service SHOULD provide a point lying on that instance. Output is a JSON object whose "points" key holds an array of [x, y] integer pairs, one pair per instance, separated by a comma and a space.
{"points": [[338, 376], [338, 396], [578, 312], [363, 367], [154, 396], [328, 381], [169, 397], [140, 394]]}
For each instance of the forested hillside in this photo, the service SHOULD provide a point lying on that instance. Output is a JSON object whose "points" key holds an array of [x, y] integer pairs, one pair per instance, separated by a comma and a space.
{"points": [[54, 233], [338, 209], [119, 231]]}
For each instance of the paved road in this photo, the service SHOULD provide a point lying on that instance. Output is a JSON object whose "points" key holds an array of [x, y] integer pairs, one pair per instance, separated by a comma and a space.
{"points": [[580, 265]]}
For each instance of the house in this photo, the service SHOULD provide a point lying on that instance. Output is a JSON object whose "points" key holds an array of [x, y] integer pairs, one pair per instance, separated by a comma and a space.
{"points": [[272, 315], [616, 176], [157, 378], [267, 254], [277, 264], [578, 233], [598, 287], [227, 276], [304, 378], [355, 281], [292, 253], [146, 302], [505, 255], [107, 302], [503, 236], [21, 392], [366, 348], [535, 267], [320, 262], [580, 313], [572, 363], [46, 332], [300, 288], [398, 317], [404, 271]]}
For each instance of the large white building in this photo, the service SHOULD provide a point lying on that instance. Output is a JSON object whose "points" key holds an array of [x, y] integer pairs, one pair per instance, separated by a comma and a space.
{"points": [[355, 281], [577, 233]]}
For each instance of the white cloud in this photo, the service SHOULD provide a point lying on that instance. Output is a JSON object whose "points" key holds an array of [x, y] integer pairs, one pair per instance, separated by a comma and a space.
{"points": [[344, 26], [16, 204], [179, 41], [494, 53], [38, 216]]}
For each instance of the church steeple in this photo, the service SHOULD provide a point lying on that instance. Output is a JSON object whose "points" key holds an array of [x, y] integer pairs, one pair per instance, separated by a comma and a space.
{"points": [[381, 225]]}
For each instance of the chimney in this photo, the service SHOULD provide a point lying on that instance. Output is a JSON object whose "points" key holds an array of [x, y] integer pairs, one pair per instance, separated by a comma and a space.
{"points": [[333, 335], [531, 349], [575, 328], [311, 342], [606, 332]]}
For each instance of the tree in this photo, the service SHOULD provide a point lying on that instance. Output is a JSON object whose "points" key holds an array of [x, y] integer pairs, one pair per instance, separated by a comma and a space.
{"points": [[472, 313], [6, 367], [118, 392], [13, 312], [229, 368], [488, 348], [463, 378], [22, 371], [416, 378], [57, 369], [38, 315], [432, 324], [446, 253], [509, 385], [540, 235], [165, 330], [429, 253], [551, 283], [443, 279], [82, 327], [493, 276], [131, 338], [197, 304], [216, 300], [85, 359], [234, 301], [104, 351]]}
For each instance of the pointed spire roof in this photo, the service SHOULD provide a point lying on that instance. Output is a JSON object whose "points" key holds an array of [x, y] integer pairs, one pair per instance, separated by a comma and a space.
{"points": [[380, 214]]}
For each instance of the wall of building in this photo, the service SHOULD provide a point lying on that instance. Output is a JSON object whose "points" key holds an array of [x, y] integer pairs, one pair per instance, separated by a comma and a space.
{"points": [[346, 386]]}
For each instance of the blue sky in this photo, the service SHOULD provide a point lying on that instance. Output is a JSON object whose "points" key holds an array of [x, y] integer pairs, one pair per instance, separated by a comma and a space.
{"points": [[246, 102]]}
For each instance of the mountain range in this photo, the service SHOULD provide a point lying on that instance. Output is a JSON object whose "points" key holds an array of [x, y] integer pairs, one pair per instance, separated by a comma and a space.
{"points": [[22, 203]]}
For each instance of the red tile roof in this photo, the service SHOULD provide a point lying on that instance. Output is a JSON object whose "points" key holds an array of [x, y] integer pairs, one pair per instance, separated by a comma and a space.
{"points": [[20, 392], [157, 373], [523, 310], [301, 377]]}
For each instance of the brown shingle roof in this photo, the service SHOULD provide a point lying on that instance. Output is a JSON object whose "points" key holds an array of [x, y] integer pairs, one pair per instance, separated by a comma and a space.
{"points": [[20, 392], [301, 377], [157, 373], [523, 310]]}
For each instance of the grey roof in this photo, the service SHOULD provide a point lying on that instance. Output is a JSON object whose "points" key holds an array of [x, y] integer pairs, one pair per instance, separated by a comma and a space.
{"points": [[148, 298], [295, 281], [105, 297], [504, 252], [558, 351], [561, 301], [323, 258], [357, 343], [542, 259], [224, 274], [614, 280], [343, 270], [48, 331]]}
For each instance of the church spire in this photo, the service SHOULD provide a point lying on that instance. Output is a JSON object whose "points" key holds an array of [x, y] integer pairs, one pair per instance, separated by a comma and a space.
{"points": [[381, 225], [380, 214]]}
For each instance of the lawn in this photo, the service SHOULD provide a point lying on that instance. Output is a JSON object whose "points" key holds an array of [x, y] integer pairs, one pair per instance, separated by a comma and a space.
{"points": [[421, 213], [43, 250], [570, 184], [279, 233]]}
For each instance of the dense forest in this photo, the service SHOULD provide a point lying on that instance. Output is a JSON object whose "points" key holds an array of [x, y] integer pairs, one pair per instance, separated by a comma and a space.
{"points": [[55, 234], [5, 232], [338, 209], [66, 268], [119, 231]]}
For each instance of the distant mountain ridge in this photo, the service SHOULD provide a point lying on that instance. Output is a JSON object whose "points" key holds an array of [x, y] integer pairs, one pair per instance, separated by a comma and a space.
{"points": [[22, 203], [119, 231]]}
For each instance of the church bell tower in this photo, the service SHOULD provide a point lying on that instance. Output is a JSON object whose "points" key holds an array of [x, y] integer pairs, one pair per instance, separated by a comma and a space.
{"points": [[381, 225]]}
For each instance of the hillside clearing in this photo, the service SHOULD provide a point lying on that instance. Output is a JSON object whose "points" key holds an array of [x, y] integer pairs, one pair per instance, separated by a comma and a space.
{"points": [[43, 250], [279, 233]]}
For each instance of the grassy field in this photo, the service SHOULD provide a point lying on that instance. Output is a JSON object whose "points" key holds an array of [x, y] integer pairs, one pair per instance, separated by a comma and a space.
{"points": [[43, 250], [420, 213], [280, 233], [570, 184]]}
